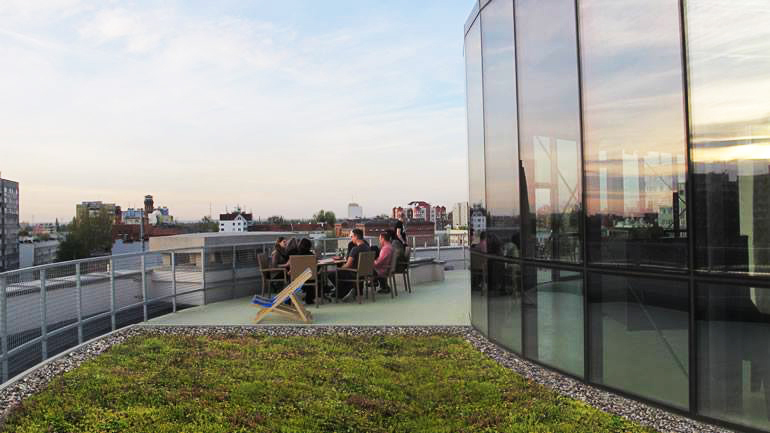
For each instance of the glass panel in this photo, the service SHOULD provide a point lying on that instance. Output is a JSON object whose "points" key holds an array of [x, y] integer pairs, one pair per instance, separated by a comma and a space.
{"points": [[734, 353], [634, 132], [553, 315], [639, 336], [505, 304], [729, 70], [501, 140], [549, 128], [475, 114]]}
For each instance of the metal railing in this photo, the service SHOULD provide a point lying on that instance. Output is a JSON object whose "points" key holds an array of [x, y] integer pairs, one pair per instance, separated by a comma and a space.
{"points": [[47, 309]]}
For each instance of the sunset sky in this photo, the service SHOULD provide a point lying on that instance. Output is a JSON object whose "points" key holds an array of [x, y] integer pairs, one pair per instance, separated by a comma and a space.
{"points": [[282, 107]]}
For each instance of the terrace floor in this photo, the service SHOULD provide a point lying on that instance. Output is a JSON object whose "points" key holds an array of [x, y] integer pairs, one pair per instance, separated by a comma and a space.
{"points": [[438, 303]]}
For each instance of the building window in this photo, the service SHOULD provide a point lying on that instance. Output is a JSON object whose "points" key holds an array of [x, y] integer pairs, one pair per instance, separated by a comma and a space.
{"points": [[728, 44], [634, 132], [549, 129], [553, 318], [501, 142]]}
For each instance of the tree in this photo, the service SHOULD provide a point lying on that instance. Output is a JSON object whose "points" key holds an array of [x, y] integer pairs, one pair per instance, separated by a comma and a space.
{"points": [[322, 216], [275, 219], [88, 234], [207, 225]]}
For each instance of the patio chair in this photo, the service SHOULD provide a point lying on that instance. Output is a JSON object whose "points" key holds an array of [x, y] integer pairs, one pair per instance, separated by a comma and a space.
{"points": [[390, 275], [297, 265], [294, 309], [402, 268], [363, 274], [269, 275]]}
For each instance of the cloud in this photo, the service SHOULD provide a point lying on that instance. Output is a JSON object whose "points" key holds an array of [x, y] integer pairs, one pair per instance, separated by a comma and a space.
{"points": [[228, 106]]}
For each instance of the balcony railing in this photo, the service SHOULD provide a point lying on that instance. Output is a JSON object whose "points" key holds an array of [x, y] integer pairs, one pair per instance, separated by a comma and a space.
{"points": [[45, 310]]}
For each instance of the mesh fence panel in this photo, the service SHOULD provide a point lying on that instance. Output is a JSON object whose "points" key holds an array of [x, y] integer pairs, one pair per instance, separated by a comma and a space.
{"points": [[189, 277], [95, 288], [248, 280], [219, 274], [62, 341], [25, 359], [128, 281], [23, 307], [61, 296]]}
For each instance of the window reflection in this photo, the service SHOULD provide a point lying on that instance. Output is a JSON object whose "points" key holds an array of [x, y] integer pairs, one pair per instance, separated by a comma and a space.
{"points": [[504, 282], [640, 335], [553, 314], [546, 48], [729, 77], [634, 132], [734, 353], [477, 217], [500, 127]]}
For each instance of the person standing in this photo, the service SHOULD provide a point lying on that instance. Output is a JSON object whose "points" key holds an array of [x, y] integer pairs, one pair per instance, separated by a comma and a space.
{"points": [[401, 229]]}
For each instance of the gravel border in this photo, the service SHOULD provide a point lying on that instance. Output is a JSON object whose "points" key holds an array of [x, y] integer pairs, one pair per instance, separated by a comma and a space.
{"points": [[35, 380]]}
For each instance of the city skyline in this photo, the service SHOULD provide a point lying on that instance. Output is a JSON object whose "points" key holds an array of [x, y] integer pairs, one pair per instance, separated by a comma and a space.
{"points": [[214, 105]]}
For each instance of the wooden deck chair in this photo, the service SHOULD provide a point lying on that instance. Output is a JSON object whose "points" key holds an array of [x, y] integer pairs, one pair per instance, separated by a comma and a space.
{"points": [[295, 309]]}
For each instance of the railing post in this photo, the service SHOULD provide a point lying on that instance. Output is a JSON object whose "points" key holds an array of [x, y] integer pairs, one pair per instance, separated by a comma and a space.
{"points": [[173, 281], [438, 247], [203, 273], [465, 264], [232, 291], [112, 293], [4, 325], [43, 316], [144, 286], [79, 302]]}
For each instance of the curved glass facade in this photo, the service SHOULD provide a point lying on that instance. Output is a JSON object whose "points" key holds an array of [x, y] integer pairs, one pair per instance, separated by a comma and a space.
{"points": [[619, 179]]}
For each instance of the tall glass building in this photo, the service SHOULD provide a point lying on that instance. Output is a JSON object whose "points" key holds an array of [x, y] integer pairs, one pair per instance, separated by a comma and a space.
{"points": [[619, 152]]}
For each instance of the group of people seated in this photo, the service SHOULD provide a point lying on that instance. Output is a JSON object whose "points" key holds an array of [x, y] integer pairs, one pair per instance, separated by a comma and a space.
{"points": [[390, 243]]}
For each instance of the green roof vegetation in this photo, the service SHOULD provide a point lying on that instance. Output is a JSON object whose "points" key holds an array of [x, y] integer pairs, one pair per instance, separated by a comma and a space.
{"points": [[301, 384]]}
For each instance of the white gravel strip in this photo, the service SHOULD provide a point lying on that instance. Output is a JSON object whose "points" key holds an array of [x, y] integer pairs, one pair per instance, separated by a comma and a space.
{"points": [[35, 380]]}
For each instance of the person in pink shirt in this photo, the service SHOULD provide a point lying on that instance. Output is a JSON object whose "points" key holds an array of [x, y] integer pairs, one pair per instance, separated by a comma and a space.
{"points": [[382, 263]]}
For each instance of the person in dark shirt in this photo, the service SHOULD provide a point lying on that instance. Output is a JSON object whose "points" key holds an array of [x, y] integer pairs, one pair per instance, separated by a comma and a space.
{"points": [[359, 246], [305, 247], [400, 230]]}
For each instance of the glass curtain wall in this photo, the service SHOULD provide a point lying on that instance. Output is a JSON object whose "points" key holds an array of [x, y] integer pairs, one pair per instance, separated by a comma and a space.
{"points": [[549, 128], [640, 336], [645, 179], [729, 76], [733, 323], [501, 148], [553, 318], [477, 189], [634, 132]]}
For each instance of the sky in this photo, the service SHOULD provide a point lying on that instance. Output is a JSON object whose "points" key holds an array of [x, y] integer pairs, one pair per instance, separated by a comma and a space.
{"points": [[281, 107]]}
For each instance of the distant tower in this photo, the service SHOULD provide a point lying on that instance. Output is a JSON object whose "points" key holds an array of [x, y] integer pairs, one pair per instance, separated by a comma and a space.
{"points": [[149, 205]]}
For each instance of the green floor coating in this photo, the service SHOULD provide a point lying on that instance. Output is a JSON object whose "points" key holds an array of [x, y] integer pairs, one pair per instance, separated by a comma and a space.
{"points": [[438, 303]]}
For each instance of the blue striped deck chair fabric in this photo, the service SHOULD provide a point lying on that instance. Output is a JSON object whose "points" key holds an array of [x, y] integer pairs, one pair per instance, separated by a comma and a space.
{"points": [[277, 303]]}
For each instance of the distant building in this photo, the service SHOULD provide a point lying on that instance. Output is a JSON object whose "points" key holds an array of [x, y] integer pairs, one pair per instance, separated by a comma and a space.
{"points": [[95, 208], [418, 232], [460, 215], [355, 211], [161, 216], [38, 253], [9, 225], [133, 216], [296, 228], [132, 232], [234, 222], [478, 220]]}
